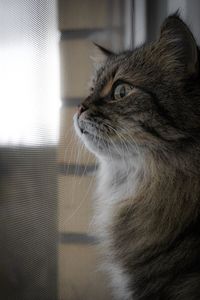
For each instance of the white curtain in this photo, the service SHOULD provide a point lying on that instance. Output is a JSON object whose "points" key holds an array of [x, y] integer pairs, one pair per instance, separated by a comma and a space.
{"points": [[29, 72]]}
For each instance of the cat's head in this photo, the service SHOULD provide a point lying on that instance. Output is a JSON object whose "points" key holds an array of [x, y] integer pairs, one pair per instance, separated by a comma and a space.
{"points": [[145, 100]]}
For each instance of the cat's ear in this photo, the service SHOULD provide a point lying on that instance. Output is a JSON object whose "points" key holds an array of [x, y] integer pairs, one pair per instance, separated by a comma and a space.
{"points": [[103, 50], [179, 44], [101, 54]]}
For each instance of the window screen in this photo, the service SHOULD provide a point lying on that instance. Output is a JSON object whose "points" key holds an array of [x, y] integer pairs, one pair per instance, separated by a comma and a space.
{"points": [[48, 250]]}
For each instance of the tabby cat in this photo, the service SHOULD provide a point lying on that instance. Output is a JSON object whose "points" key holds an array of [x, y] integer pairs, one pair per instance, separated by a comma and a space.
{"points": [[142, 121]]}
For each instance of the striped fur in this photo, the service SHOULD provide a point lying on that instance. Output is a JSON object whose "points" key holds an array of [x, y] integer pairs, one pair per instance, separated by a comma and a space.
{"points": [[148, 146]]}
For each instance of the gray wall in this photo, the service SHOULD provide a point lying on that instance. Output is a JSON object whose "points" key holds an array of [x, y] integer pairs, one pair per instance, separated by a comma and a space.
{"points": [[157, 10]]}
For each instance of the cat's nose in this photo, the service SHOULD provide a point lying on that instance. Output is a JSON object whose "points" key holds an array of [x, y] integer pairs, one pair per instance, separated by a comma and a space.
{"points": [[81, 109]]}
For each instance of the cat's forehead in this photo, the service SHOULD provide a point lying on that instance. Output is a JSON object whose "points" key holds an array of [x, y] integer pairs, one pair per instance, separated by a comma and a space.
{"points": [[103, 78], [130, 66], [111, 70]]}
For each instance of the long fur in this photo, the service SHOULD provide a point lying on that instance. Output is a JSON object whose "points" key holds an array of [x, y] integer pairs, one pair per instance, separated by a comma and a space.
{"points": [[148, 146]]}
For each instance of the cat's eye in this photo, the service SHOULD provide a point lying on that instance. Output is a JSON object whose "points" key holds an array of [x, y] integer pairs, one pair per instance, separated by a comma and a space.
{"points": [[122, 90]]}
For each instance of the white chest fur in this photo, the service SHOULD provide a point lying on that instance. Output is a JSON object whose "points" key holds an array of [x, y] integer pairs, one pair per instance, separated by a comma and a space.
{"points": [[115, 184]]}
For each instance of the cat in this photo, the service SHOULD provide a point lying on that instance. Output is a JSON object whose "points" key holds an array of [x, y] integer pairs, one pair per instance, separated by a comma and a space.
{"points": [[142, 121]]}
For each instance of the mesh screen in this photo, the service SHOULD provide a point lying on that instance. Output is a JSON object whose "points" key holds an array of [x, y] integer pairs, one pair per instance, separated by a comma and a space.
{"points": [[48, 249], [30, 101]]}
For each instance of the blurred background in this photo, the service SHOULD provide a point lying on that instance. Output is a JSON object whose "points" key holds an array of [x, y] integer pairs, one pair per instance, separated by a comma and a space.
{"points": [[48, 250]]}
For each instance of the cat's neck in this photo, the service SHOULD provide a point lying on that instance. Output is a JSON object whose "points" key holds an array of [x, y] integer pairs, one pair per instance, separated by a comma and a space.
{"points": [[141, 173], [116, 178], [163, 195]]}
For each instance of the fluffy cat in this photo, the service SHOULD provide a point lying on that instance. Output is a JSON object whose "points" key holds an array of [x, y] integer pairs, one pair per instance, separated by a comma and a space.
{"points": [[142, 121]]}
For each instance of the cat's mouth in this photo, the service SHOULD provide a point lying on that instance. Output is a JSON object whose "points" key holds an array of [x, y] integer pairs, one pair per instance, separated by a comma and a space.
{"points": [[83, 131], [83, 127]]}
